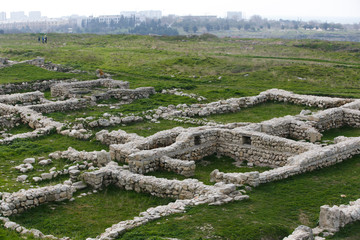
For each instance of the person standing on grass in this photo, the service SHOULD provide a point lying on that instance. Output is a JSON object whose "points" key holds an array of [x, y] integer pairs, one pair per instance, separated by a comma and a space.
{"points": [[45, 38], [39, 39]]}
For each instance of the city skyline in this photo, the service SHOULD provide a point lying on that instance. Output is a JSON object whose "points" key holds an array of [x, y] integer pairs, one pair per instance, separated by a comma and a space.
{"points": [[345, 11]]}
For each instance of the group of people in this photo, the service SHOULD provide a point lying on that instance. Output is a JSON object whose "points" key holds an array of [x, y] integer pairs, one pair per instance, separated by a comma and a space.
{"points": [[43, 39]]}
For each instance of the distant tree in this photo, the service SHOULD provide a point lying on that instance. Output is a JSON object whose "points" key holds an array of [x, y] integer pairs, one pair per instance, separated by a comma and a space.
{"points": [[2, 31], [247, 26], [186, 28], [256, 19], [325, 26], [195, 28]]}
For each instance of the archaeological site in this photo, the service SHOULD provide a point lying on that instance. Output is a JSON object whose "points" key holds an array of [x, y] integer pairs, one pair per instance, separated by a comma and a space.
{"points": [[164, 163]]}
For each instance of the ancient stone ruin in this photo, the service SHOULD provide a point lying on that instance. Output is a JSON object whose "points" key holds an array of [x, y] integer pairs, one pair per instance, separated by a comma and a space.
{"points": [[288, 145]]}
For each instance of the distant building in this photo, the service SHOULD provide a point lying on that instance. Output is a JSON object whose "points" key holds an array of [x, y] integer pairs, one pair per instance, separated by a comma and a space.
{"points": [[234, 15], [199, 18], [142, 15], [128, 14], [35, 15], [152, 14], [109, 18], [2, 16], [17, 16], [43, 25]]}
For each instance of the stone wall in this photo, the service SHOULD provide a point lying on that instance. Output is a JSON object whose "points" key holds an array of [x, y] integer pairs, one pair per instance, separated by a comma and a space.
{"points": [[3, 61], [301, 233], [195, 143], [235, 104], [189, 192], [239, 179], [328, 119], [335, 217], [126, 94], [41, 85], [22, 98], [160, 187], [352, 118], [60, 106], [287, 127], [99, 158], [64, 89], [258, 148], [18, 202], [186, 168], [116, 137], [9, 121], [308, 100], [317, 157]]}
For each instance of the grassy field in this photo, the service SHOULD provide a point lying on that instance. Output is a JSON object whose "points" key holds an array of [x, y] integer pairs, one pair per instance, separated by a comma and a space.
{"points": [[216, 68], [88, 216], [246, 66]]}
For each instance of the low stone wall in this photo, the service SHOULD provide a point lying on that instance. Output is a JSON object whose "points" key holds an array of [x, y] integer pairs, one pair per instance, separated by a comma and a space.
{"points": [[178, 92], [116, 137], [36, 62], [239, 179], [352, 105], [328, 119], [100, 158], [26, 232], [34, 134], [235, 104], [41, 85], [160, 187], [189, 192], [258, 148], [18, 202], [64, 89], [195, 143], [308, 100], [288, 127], [301, 233], [22, 98], [60, 106], [3, 61], [112, 121], [127, 95], [315, 158], [186, 168], [335, 217], [352, 117], [9, 121]]}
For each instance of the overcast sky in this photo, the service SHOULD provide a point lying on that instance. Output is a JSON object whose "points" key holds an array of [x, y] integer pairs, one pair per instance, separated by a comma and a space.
{"points": [[330, 10]]}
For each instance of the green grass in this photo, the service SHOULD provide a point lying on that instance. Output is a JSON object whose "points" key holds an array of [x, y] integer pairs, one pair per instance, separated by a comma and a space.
{"points": [[261, 112], [13, 154], [343, 131], [88, 216], [28, 73], [12, 235], [216, 69], [136, 107], [22, 128], [247, 66], [147, 128], [273, 211]]}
